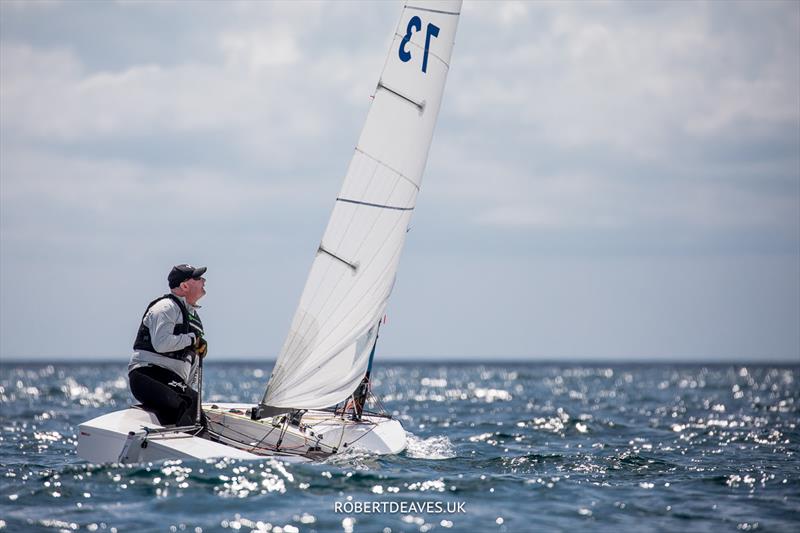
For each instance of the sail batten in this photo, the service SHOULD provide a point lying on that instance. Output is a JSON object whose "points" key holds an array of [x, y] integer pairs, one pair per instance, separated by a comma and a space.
{"points": [[334, 330], [380, 206]]}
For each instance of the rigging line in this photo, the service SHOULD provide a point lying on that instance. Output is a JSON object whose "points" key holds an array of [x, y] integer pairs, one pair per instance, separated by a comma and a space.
{"points": [[369, 204], [341, 437], [434, 10], [231, 429], [259, 445], [378, 403], [362, 436], [241, 434], [388, 167], [264, 437], [263, 450], [282, 433]]}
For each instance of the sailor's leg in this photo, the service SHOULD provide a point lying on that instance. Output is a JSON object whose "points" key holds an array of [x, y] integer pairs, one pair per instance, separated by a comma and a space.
{"points": [[160, 391], [187, 415]]}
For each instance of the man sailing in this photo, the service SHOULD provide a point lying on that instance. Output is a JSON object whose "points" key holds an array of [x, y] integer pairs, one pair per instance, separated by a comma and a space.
{"points": [[168, 349]]}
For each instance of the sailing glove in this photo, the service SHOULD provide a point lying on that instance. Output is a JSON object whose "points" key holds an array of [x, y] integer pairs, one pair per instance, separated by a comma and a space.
{"points": [[200, 346]]}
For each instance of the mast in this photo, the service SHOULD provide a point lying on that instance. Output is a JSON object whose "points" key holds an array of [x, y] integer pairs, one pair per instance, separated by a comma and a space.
{"points": [[362, 391], [334, 331]]}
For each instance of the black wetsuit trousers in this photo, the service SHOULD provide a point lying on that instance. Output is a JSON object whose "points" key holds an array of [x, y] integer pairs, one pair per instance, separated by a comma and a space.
{"points": [[164, 392]]}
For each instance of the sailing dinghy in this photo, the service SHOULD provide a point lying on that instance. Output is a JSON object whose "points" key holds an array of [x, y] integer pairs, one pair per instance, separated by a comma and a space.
{"points": [[318, 400]]}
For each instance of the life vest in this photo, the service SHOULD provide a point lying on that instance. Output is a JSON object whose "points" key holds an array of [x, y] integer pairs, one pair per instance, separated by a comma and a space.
{"points": [[190, 324]]}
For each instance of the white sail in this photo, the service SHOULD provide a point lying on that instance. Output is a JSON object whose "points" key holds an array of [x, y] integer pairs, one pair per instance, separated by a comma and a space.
{"points": [[327, 351]]}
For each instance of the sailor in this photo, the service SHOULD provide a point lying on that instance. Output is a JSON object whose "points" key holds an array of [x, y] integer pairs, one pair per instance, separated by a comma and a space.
{"points": [[168, 348]]}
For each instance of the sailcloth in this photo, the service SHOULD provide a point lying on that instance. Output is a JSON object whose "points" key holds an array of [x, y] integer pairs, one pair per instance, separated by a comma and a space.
{"points": [[334, 329]]}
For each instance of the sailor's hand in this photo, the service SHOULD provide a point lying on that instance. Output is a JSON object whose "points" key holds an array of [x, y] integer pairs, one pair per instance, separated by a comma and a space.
{"points": [[201, 347]]}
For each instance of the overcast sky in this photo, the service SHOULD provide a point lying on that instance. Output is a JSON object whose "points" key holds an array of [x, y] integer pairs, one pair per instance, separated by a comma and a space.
{"points": [[606, 181]]}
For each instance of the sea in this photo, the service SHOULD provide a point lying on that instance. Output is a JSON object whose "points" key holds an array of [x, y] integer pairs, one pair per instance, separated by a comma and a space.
{"points": [[493, 446]]}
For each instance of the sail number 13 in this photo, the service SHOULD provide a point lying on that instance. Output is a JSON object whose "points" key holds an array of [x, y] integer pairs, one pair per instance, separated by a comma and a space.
{"points": [[415, 24]]}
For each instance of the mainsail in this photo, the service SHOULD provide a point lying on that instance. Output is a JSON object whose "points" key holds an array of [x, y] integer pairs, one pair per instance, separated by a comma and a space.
{"points": [[326, 354]]}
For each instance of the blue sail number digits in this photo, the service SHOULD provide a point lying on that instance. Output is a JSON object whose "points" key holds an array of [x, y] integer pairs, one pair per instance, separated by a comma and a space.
{"points": [[415, 24]]}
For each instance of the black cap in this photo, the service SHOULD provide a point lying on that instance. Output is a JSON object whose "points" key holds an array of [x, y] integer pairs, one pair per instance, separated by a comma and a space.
{"points": [[181, 273]]}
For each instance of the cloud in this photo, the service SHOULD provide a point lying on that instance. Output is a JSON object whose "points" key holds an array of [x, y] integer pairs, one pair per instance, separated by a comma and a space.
{"points": [[567, 129], [608, 117], [602, 76], [669, 88], [256, 50], [119, 191]]}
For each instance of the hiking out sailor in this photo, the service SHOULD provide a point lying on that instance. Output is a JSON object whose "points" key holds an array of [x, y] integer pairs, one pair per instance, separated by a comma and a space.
{"points": [[168, 348]]}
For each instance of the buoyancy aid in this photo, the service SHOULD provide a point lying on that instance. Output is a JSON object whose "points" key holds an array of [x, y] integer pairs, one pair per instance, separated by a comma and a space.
{"points": [[190, 324]]}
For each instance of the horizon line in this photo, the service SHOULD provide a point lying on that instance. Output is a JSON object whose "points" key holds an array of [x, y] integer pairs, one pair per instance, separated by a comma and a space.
{"points": [[688, 360]]}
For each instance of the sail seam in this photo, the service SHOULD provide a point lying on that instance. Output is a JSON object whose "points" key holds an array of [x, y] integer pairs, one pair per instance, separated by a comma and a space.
{"points": [[355, 254], [433, 10], [292, 344], [369, 204], [359, 150], [369, 290], [339, 305], [419, 47], [366, 291]]}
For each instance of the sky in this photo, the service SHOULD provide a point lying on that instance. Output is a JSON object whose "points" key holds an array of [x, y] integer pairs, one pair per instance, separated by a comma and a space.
{"points": [[607, 181]]}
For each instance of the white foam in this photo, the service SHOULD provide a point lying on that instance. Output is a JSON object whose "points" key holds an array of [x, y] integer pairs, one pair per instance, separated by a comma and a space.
{"points": [[431, 448], [354, 457]]}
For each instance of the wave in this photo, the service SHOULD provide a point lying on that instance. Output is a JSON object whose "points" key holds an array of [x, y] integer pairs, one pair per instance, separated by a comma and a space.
{"points": [[436, 448]]}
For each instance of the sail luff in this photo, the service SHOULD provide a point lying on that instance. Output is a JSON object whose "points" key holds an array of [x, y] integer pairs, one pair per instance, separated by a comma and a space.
{"points": [[327, 350]]}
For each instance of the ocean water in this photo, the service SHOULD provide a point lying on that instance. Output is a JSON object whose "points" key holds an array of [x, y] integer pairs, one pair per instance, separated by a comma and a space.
{"points": [[492, 447]]}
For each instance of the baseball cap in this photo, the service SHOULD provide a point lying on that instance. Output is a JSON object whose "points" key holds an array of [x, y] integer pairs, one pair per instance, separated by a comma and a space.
{"points": [[181, 273]]}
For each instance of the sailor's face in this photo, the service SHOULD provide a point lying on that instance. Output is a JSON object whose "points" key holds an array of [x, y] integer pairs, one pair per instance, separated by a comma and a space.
{"points": [[195, 289]]}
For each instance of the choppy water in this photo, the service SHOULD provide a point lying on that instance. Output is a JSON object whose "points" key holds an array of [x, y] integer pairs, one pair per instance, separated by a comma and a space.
{"points": [[518, 446]]}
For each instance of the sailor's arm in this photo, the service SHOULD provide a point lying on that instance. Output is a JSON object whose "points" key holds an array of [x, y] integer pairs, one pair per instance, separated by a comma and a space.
{"points": [[161, 321]]}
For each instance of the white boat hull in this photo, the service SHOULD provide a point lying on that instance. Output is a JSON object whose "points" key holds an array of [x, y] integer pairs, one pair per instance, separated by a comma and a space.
{"points": [[319, 433], [131, 435]]}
